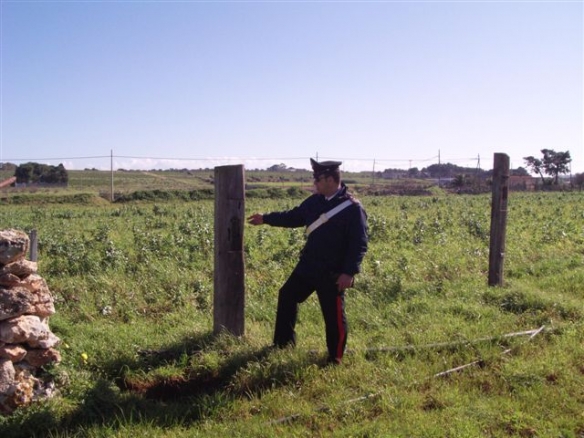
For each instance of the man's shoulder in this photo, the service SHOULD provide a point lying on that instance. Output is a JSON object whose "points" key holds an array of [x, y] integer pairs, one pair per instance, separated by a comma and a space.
{"points": [[348, 196], [357, 208], [345, 194], [313, 201], [314, 198]]}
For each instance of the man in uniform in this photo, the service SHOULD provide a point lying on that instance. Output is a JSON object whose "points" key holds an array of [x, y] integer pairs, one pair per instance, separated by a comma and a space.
{"points": [[335, 246]]}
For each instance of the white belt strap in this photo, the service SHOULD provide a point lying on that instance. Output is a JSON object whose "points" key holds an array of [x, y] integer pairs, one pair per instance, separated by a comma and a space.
{"points": [[326, 216]]}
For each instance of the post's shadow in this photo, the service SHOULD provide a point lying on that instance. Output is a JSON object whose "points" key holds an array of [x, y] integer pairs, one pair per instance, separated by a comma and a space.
{"points": [[119, 398]]}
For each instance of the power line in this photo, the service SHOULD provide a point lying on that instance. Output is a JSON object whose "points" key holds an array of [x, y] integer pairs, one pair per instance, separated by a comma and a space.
{"points": [[210, 158], [407, 161], [218, 158], [55, 158]]}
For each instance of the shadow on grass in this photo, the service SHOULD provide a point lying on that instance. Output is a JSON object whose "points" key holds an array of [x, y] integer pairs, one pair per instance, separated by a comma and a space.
{"points": [[121, 399]]}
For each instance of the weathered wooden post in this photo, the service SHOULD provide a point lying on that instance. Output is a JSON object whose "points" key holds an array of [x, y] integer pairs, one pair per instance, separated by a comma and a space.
{"points": [[229, 293], [498, 218], [33, 245]]}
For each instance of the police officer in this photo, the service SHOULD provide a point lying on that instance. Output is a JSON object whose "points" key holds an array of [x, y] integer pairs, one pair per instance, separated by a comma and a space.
{"points": [[335, 246]]}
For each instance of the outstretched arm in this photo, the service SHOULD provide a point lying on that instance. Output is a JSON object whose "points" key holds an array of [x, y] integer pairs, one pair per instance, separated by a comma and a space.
{"points": [[296, 217]]}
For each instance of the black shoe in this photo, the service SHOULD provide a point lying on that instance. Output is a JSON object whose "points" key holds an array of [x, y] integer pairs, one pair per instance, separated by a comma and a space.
{"points": [[334, 361], [282, 345]]}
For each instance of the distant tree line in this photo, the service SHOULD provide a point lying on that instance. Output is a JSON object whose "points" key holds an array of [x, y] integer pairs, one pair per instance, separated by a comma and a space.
{"points": [[31, 173], [8, 166], [449, 170]]}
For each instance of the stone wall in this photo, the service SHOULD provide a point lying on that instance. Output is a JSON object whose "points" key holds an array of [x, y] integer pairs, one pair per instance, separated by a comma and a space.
{"points": [[26, 341]]}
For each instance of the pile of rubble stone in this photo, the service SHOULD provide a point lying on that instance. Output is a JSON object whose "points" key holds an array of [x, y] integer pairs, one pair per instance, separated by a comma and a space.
{"points": [[26, 342]]}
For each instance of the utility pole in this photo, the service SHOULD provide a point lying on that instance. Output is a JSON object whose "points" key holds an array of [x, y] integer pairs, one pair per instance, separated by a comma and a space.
{"points": [[112, 175], [478, 170], [439, 169]]}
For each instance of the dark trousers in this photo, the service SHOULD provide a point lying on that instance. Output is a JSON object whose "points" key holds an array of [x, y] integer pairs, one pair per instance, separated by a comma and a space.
{"points": [[332, 304]]}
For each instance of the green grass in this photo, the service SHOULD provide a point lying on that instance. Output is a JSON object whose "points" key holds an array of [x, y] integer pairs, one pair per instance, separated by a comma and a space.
{"points": [[86, 185], [133, 285]]}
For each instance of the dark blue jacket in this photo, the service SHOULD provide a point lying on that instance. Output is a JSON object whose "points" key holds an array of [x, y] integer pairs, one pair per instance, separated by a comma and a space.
{"points": [[337, 246]]}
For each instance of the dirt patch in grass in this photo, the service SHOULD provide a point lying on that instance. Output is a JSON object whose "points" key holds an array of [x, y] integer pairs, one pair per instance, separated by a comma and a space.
{"points": [[171, 388]]}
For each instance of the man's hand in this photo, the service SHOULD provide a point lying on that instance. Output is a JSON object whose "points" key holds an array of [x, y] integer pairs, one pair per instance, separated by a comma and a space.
{"points": [[256, 219], [345, 281]]}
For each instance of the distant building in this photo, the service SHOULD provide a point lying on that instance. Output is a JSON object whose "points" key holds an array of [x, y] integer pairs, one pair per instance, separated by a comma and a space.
{"points": [[394, 174], [522, 182], [442, 182]]}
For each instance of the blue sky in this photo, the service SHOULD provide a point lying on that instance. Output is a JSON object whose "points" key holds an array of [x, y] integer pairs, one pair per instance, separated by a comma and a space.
{"points": [[375, 84]]}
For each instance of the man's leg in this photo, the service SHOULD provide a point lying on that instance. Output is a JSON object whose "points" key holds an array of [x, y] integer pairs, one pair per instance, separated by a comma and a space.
{"points": [[332, 304], [295, 291]]}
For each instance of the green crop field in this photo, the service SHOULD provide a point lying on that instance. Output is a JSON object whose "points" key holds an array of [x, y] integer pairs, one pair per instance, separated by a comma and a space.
{"points": [[133, 285], [148, 184]]}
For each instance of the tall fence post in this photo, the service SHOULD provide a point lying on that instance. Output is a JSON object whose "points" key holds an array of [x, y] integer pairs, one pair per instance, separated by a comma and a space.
{"points": [[229, 292], [498, 218], [33, 245]]}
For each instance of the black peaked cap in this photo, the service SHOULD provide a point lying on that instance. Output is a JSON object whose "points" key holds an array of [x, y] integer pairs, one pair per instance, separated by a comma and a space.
{"points": [[324, 167]]}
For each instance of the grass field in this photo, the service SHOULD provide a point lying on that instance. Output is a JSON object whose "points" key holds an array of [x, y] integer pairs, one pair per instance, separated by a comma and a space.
{"points": [[133, 285], [121, 183]]}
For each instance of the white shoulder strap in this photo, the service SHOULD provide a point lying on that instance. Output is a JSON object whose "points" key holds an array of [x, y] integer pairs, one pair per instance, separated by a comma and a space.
{"points": [[327, 215]]}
